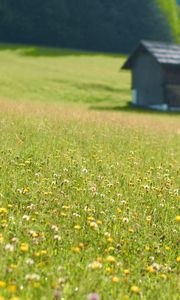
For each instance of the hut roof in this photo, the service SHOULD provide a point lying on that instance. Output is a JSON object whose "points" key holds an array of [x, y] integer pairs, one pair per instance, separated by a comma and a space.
{"points": [[164, 53]]}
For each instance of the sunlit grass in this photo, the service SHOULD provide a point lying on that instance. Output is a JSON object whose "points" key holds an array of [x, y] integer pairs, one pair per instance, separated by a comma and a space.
{"points": [[89, 200]]}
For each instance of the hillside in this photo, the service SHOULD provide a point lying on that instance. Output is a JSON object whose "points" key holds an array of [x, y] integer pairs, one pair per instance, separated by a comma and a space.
{"points": [[114, 26]]}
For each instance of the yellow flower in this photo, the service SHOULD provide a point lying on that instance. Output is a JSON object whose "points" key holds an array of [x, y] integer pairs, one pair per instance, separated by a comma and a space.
{"points": [[111, 259], [3, 210], [2, 298], [77, 227], [177, 218], [126, 272], [95, 265], [115, 279], [150, 269], [75, 249], [163, 276], [135, 289], [110, 240], [12, 288], [99, 222], [1, 238], [43, 252], [178, 259], [110, 249], [2, 284], [99, 259], [24, 247], [15, 298]]}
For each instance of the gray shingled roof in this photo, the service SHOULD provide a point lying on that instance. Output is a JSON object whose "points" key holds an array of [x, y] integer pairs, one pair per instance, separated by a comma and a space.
{"points": [[164, 53]]}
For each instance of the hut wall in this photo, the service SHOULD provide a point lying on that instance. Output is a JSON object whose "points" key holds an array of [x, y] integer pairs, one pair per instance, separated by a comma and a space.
{"points": [[172, 86], [147, 81]]}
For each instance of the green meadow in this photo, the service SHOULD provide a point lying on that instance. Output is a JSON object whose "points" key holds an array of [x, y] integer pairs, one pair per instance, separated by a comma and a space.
{"points": [[89, 188]]}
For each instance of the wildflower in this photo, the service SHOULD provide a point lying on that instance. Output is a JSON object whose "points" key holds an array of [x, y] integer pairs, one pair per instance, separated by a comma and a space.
{"points": [[125, 220], [93, 296], [2, 284], [95, 265], [75, 249], [57, 293], [9, 247], [150, 269], [30, 262], [57, 237], [54, 227], [24, 247], [77, 227], [1, 238], [148, 218], [163, 276], [43, 252], [93, 225], [178, 259], [26, 218], [32, 277], [126, 272], [84, 170], [135, 289], [3, 210], [156, 266], [115, 279], [177, 218], [110, 239], [111, 259], [12, 288]]}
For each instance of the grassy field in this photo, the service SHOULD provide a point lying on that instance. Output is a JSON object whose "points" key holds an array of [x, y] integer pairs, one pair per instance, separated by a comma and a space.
{"points": [[89, 198]]}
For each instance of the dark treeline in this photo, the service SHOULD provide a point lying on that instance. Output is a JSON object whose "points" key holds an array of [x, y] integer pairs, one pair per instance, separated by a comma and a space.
{"points": [[100, 25]]}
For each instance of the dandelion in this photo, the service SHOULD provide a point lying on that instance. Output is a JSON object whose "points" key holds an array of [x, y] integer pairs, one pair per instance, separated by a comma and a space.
{"points": [[2, 284], [77, 227], [12, 288], [76, 249], [111, 259], [126, 272], [150, 269], [135, 289], [3, 210], [178, 259], [177, 218], [115, 279], [24, 247]]}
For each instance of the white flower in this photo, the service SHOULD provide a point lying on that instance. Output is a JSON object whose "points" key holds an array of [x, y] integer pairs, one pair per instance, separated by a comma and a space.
{"points": [[32, 277], [26, 218], [30, 261], [54, 227], [57, 237], [9, 247]]}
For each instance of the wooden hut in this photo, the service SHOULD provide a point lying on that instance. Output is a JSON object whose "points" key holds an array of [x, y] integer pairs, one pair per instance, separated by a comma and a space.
{"points": [[155, 75]]}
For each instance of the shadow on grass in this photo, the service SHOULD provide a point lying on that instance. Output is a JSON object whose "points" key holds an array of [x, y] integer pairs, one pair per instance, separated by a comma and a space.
{"points": [[129, 107], [38, 51]]}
